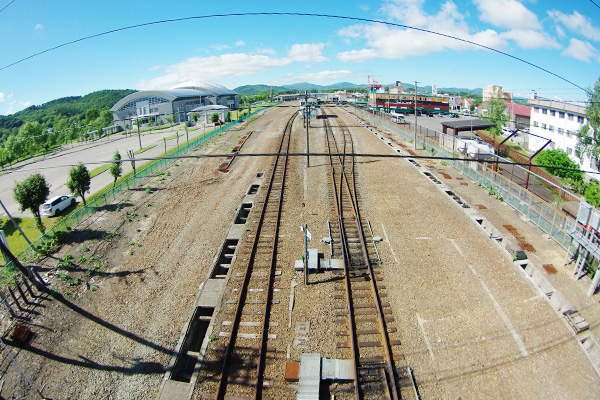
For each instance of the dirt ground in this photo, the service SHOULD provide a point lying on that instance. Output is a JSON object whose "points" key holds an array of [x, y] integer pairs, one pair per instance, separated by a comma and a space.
{"points": [[125, 282]]}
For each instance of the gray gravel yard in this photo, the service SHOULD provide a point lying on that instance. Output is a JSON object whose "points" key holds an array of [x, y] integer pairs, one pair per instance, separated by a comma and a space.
{"points": [[470, 325]]}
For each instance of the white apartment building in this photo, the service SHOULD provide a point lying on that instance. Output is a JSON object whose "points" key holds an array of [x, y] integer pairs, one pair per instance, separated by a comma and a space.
{"points": [[560, 123]]}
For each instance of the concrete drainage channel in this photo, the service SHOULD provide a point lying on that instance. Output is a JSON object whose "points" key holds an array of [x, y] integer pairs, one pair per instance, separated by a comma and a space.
{"points": [[182, 372], [570, 316]]}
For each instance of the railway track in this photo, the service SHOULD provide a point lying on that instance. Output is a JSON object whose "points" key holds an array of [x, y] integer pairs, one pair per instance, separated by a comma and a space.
{"points": [[242, 360], [367, 317]]}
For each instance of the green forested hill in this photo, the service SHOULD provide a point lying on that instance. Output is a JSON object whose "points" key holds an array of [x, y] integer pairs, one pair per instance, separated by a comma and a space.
{"points": [[67, 107], [39, 128]]}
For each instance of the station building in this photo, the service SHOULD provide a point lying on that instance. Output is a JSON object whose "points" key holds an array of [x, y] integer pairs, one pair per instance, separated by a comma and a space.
{"points": [[179, 102]]}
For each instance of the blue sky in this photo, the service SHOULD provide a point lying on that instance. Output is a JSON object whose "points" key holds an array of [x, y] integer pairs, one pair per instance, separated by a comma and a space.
{"points": [[560, 36]]}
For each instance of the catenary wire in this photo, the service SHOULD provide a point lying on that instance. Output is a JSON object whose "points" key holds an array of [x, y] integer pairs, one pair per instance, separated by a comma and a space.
{"points": [[124, 160], [296, 15]]}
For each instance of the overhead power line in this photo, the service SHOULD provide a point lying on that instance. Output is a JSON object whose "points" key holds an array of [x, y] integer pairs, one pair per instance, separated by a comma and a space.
{"points": [[199, 17], [594, 3], [4, 8], [368, 155]]}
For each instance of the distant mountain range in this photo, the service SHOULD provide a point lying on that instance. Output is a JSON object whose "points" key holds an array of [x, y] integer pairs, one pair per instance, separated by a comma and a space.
{"points": [[249, 90]]}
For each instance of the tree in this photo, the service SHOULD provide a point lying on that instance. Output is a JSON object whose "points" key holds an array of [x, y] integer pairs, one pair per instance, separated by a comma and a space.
{"points": [[79, 181], [559, 158], [91, 114], [106, 117], [115, 168], [589, 135], [170, 119], [31, 136], [228, 116], [214, 118], [31, 194], [592, 195], [195, 117], [495, 114]]}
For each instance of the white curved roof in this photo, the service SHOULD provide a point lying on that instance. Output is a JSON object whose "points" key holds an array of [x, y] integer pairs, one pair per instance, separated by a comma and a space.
{"points": [[210, 87]]}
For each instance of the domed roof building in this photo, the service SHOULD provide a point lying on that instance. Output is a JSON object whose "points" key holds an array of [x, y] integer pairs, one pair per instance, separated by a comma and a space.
{"points": [[157, 105]]}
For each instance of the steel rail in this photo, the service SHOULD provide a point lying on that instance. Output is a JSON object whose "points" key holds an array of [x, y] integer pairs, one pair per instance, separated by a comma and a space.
{"points": [[223, 377], [267, 310], [388, 354], [338, 202]]}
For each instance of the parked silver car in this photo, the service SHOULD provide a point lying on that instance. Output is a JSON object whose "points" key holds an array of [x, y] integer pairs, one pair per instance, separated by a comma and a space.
{"points": [[56, 205]]}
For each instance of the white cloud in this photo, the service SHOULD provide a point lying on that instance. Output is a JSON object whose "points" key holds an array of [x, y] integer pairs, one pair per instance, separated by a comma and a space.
{"points": [[577, 23], [364, 7], [388, 42], [220, 47], [14, 105], [240, 43], [580, 50], [560, 32], [261, 50], [507, 14], [357, 55], [154, 68], [321, 76], [392, 43], [213, 68], [307, 52], [2, 97], [38, 27], [530, 39]]}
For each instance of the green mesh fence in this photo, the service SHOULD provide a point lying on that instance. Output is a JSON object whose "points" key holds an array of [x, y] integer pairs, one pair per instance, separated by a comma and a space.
{"points": [[73, 219]]}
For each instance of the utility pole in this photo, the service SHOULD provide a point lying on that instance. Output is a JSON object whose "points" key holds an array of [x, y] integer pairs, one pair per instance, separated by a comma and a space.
{"points": [[26, 273], [415, 141], [15, 223]]}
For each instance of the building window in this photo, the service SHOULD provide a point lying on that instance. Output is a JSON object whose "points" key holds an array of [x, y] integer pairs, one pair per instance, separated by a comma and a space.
{"points": [[543, 126], [580, 119], [552, 113], [570, 117], [561, 114], [536, 124], [544, 111], [569, 151], [536, 109], [568, 133], [551, 128], [561, 131]]}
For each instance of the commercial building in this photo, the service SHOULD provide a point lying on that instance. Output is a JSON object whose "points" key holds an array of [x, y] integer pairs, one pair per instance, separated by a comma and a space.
{"points": [[157, 106], [559, 122]]}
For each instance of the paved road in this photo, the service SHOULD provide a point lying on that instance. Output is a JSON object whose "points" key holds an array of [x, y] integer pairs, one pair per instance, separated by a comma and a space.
{"points": [[56, 167]]}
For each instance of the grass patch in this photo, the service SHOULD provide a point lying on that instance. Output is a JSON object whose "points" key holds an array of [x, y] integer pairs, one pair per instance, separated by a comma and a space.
{"points": [[173, 137], [16, 242], [144, 149], [99, 170]]}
